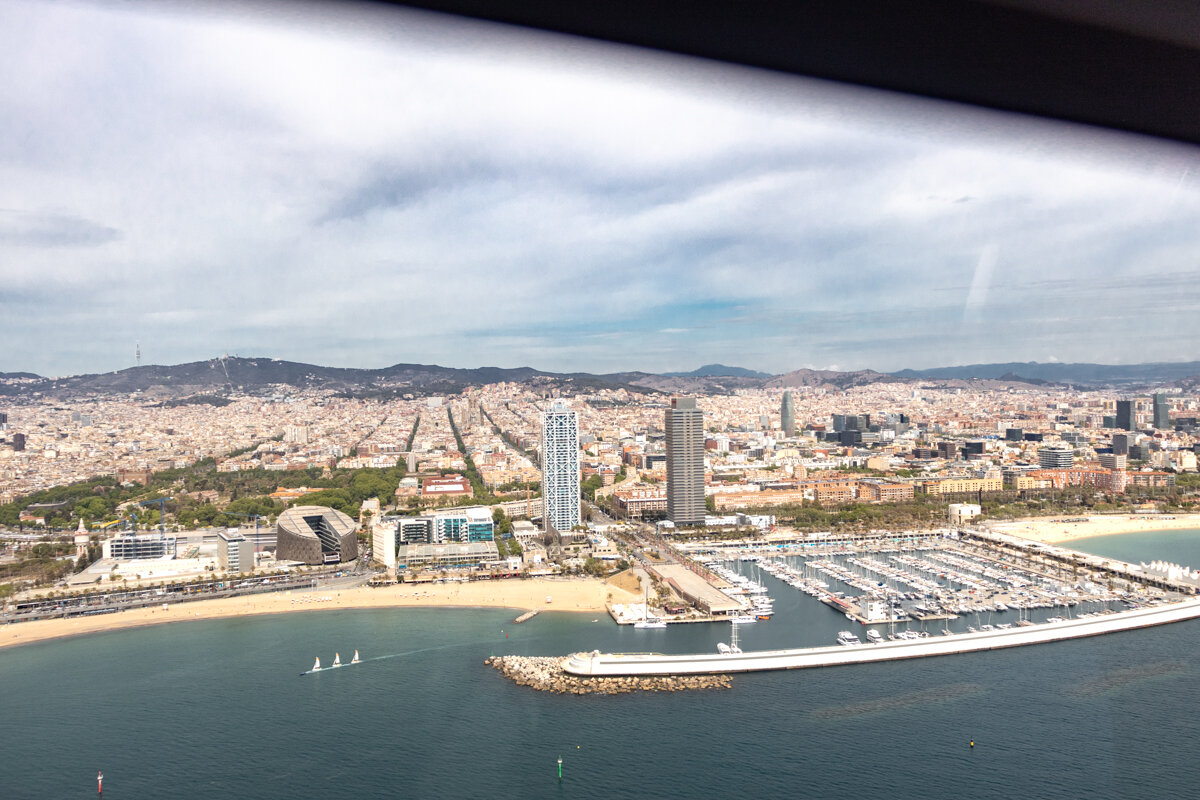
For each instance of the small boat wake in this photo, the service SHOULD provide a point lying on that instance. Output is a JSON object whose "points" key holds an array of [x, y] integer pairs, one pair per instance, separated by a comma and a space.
{"points": [[356, 660], [337, 662]]}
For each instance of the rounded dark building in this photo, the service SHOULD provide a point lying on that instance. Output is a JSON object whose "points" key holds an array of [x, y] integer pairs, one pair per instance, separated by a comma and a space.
{"points": [[315, 535]]}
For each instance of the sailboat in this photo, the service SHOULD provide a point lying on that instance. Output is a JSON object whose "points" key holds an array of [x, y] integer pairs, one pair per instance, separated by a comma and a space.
{"points": [[337, 661], [355, 659], [317, 665], [731, 648]]}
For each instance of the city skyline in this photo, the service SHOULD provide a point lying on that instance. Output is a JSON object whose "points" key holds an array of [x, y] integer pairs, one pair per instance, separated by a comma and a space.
{"points": [[203, 181]]}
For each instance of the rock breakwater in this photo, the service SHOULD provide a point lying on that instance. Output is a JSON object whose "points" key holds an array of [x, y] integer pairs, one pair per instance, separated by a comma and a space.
{"points": [[546, 674]]}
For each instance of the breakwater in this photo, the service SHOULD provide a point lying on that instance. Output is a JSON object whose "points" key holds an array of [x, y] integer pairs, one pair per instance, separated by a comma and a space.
{"points": [[643, 664], [546, 674]]}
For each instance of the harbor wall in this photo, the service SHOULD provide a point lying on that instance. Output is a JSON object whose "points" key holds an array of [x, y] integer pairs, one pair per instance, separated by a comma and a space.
{"points": [[638, 664]]}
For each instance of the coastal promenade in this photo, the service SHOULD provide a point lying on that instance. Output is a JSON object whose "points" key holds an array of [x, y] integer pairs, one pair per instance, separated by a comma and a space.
{"points": [[645, 664]]}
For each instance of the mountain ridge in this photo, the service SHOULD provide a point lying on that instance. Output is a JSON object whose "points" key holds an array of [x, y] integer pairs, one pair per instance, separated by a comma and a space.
{"points": [[232, 374]]}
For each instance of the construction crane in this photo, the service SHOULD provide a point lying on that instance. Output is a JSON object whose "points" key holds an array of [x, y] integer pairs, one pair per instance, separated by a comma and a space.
{"points": [[162, 511]]}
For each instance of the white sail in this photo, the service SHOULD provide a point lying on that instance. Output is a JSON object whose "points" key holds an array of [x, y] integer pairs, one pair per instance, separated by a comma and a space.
{"points": [[355, 659], [337, 660], [317, 664]]}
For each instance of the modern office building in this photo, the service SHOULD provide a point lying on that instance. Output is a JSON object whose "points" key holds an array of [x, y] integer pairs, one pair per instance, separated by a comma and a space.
{"points": [[1162, 412], [131, 547], [315, 535], [787, 415], [1125, 414], [466, 524], [685, 462], [1055, 458], [1014, 435], [235, 553], [1121, 443], [850, 437], [560, 468], [18, 442]]}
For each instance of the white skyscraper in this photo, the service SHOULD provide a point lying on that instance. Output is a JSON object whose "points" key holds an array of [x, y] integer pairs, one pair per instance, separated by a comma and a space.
{"points": [[560, 467]]}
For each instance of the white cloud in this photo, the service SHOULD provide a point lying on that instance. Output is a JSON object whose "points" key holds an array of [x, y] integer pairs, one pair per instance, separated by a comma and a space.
{"points": [[386, 187]]}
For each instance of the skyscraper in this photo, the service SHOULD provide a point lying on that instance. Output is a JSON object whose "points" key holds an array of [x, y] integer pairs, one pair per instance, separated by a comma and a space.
{"points": [[685, 462], [560, 468], [1125, 409], [787, 415], [1162, 412]]}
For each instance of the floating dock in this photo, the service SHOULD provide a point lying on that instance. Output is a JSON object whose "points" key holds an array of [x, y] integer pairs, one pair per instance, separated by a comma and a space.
{"points": [[641, 664]]}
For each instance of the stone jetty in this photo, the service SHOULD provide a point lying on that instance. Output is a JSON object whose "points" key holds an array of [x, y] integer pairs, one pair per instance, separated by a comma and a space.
{"points": [[546, 674]]}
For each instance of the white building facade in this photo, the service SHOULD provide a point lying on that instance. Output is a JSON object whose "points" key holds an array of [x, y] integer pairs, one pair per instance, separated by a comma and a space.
{"points": [[560, 468]]}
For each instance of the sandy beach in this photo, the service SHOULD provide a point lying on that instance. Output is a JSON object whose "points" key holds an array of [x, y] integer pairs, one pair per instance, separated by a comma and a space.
{"points": [[579, 595], [1056, 530]]}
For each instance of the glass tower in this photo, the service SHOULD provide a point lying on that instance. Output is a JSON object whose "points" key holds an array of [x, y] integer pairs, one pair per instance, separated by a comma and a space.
{"points": [[787, 415]]}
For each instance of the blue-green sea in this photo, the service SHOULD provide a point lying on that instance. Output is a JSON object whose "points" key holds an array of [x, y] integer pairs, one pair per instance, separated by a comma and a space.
{"points": [[218, 709]]}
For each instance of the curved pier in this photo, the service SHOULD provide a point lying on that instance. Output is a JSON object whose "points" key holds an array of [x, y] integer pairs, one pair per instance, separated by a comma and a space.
{"points": [[639, 664]]}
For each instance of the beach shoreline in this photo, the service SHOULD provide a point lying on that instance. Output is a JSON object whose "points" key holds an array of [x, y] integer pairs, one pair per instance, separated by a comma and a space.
{"points": [[582, 595], [1063, 529]]}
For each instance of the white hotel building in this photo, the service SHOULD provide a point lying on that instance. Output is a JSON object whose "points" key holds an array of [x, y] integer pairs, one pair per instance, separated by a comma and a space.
{"points": [[560, 468]]}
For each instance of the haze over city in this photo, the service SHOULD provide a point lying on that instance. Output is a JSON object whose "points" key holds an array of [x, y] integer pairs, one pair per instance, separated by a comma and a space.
{"points": [[405, 188]]}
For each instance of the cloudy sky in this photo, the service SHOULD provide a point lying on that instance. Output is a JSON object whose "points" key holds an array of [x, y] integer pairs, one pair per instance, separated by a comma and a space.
{"points": [[368, 188]]}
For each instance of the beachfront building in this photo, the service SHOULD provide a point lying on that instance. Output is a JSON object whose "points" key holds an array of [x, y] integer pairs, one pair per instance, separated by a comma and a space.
{"points": [[684, 426], [560, 468], [132, 547], [315, 535], [385, 541], [455, 555], [467, 524], [235, 553]]}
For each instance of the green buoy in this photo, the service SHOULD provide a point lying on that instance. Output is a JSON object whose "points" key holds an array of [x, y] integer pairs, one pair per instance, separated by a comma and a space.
{"points": [[560, 768]]}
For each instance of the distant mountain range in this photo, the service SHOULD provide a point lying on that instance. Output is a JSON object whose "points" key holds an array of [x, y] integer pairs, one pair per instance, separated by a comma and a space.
{"points": [[223, 375], [1076, 374], [718, 371]]}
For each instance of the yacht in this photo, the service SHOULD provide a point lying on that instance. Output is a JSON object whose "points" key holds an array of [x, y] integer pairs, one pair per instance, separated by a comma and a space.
{"points": [[874, 636], [847, 639], [732, 647], [742, 619], [650, 622]]}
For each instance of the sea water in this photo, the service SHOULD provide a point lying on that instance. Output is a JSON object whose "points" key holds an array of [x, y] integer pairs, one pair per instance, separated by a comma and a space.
{"points": [[219, 709]]}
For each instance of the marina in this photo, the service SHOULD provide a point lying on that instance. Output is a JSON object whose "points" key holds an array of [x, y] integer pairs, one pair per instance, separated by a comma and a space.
{"points": [[643, 664]]}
